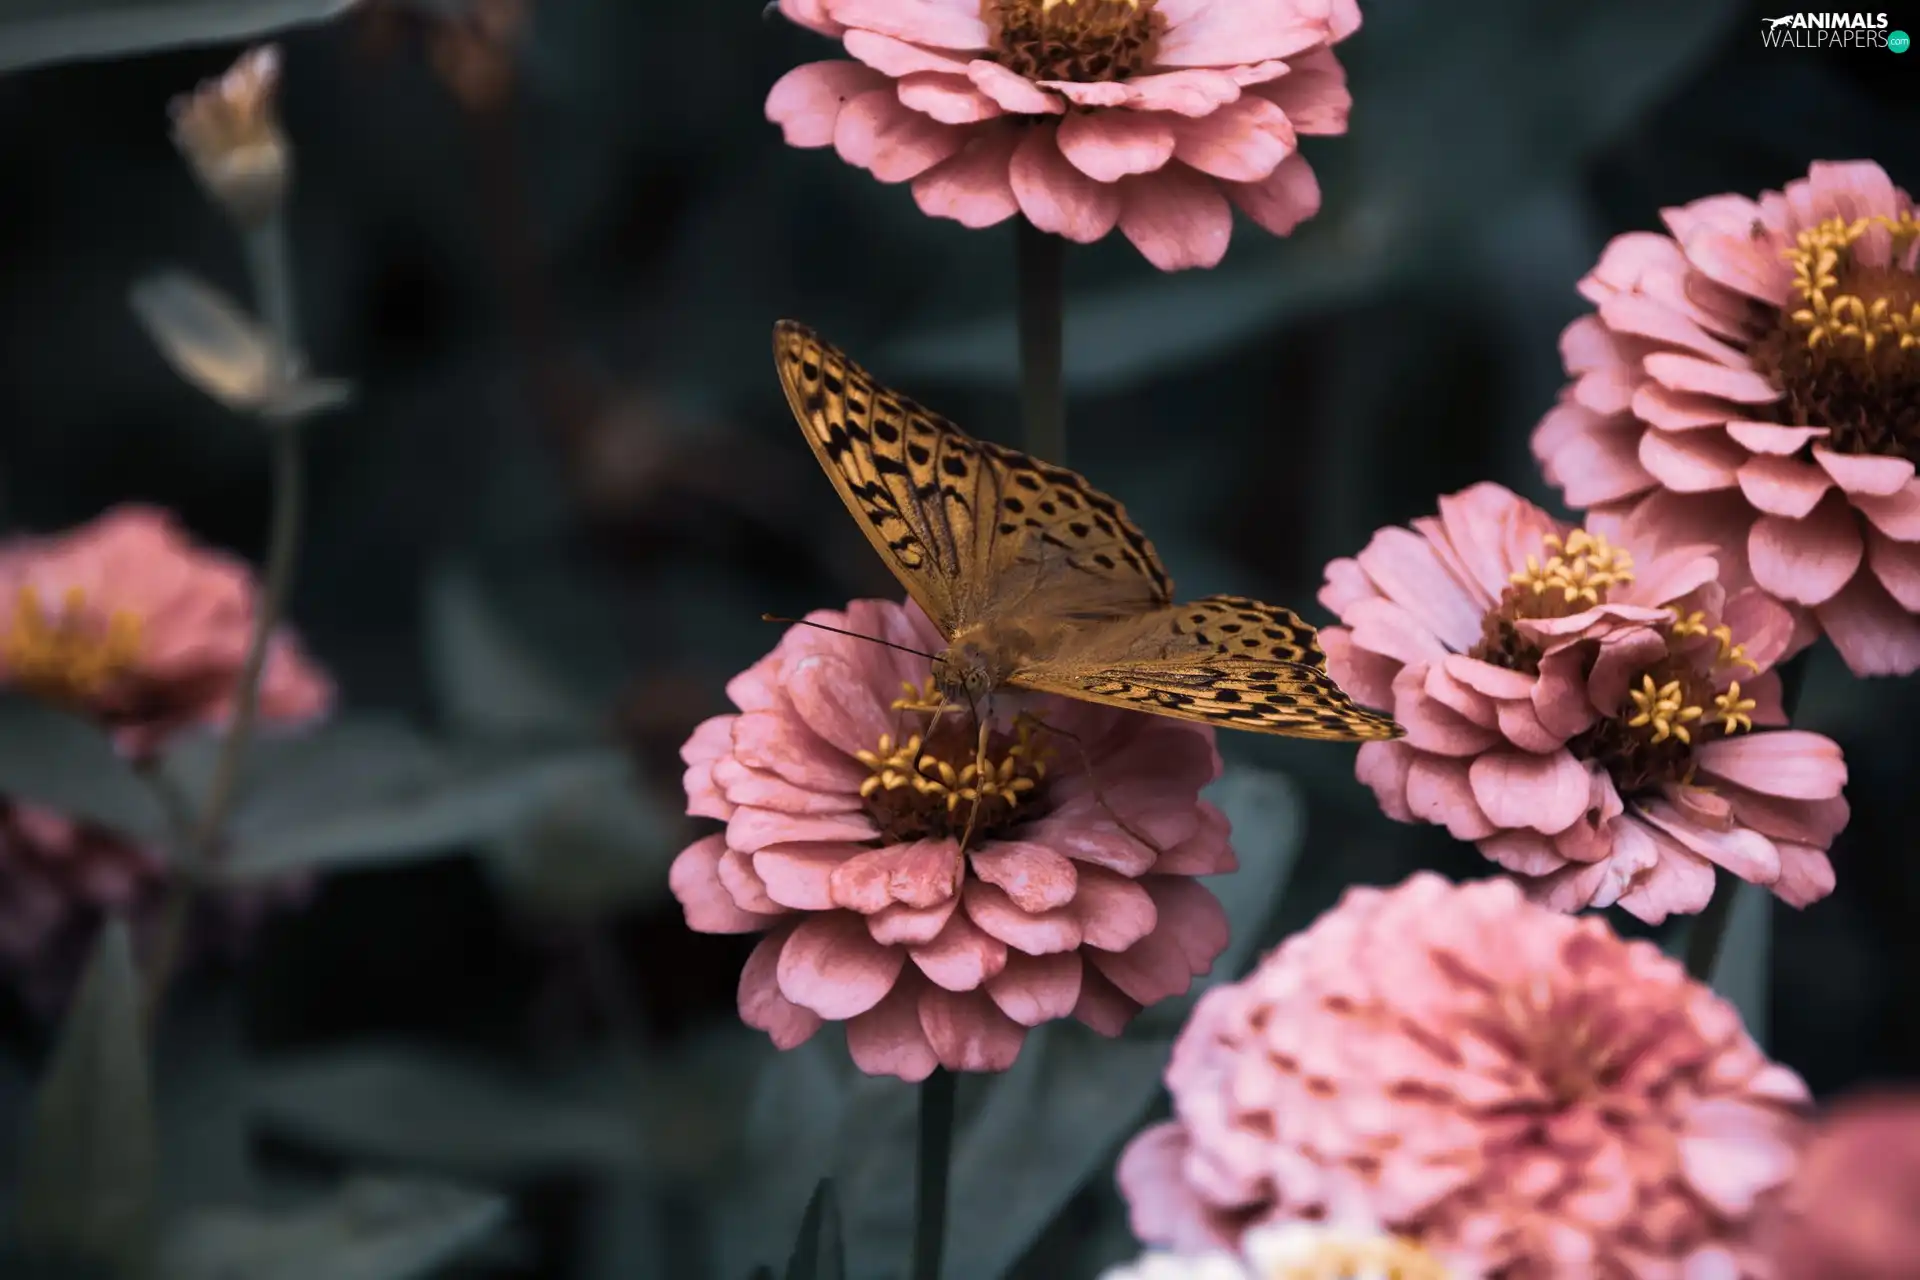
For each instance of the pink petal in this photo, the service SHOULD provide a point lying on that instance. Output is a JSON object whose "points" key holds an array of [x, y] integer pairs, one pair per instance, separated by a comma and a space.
{"points": [[811, 14], [1385, 767], [968, 1032], [1283, 199], [1522, 725], [943, 26], [950, 99], [1762, 625], [1806, 561], [1747, 854], [1151, 970], [744, 885], [1783, 486], [751, 830], [1874, 634], [962, 956], [1524, 853], [1108, 146], [899, 925], [1768, 437], [1897, 516], [1897, 566], [1113, 911], [704, 797], [781, 743], [1036, 989], [891, 141], [1191, 92], [1459, 698], [1035, 877], [1865, 473], [919, 875], [1035, 935], [741, 785], [711, 739], [1806, 874], [1546, 793], [1393, 631], [973, 187], [806, 102], [695, 881], [1241, 142], [1675, 410], [1096, 93], [1433, 727], [896, 58], [1438, 792], [1176, 218], [1690, 373], [1219, 35], [831, 965], [887, 1040], [1741, 263], [1408, 571], [1205, 853], [1014, 92], [1680, 882], [1057, 196], [1789, 762], [1192, 917], [1692, 461], [763, 1007], [1103, 1006], [1601, 465]]}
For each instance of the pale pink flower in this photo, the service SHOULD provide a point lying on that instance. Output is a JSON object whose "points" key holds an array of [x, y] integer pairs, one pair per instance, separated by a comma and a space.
{"points": [[1493, 1077], [125, 619], [1752, 381], [841, 843], [1852, 1211], [1156, 116], [1582, 708], [59, 877]]}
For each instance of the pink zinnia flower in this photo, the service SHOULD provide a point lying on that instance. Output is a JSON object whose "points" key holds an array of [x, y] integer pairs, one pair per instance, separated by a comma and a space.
{"points": [[1582, 707], [1753, 381], [1153, 115], [1852, 1211], [127, 620], [842, 842], [1491, 1077]]}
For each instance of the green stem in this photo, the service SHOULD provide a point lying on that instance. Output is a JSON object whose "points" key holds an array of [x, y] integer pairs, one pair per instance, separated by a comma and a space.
{"points": [[273, 288], [1039, 262], [930, 1184], [1709, 932]]}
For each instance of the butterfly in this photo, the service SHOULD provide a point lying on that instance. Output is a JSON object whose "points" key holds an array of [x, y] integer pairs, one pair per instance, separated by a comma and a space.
{"points": [[1039, 581]]}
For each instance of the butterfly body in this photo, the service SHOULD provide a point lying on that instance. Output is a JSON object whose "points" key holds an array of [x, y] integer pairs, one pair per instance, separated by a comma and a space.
{"points": [[1039, 581]]}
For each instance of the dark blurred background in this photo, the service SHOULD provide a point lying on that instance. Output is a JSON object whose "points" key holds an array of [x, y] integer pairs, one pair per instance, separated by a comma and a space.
{"points": [[547, 240]]}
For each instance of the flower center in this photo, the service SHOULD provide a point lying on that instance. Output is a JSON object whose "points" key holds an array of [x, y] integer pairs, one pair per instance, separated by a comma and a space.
{"points": [[1687, 698], [1081, 40], [69, 655], [1576, 573], [926, 781], [1848, 357]]}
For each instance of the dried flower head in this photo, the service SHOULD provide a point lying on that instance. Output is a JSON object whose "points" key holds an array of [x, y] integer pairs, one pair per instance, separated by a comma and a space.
{"points": [[1598, 715], [1485, 1076], [1751, 381], [1155, 116], [847, 788], [125, 620], [229, 132]]}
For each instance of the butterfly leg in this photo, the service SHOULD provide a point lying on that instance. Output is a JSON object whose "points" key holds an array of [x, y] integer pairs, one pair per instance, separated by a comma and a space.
{"points": [[979, 776], [1099, 793]]}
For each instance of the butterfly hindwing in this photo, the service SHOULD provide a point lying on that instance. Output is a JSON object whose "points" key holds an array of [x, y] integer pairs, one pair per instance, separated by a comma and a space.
{"points": [[1290, 699]]}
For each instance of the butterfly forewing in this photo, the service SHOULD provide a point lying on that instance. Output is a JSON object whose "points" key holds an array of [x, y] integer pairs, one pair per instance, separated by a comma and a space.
{"points": [[1290, 699], [973, 530]]}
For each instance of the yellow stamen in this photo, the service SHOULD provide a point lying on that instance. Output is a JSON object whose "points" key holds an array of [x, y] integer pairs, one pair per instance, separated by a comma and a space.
{"points": [[1820, 256], [1337, 1258], [68, 655], [926, 700], [1582, 567], [1732, 711], [1664, 709]]}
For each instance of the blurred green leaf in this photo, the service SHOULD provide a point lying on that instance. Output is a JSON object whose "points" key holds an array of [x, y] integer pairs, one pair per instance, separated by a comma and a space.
{"points": [[603, 844], [40, 31], [488, 682], [53, 758], [87, 1171], [371, 1229], [215, 345], [819, 1253], [449, 1114], [370, 790]]}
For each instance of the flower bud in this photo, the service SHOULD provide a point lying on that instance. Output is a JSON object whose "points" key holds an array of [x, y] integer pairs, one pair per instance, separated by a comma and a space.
{"points": [[229, 133]]}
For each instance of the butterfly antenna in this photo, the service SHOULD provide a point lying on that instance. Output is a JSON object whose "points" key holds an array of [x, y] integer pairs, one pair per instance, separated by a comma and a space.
{"points": [[821, 626], [1099, 794]]}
